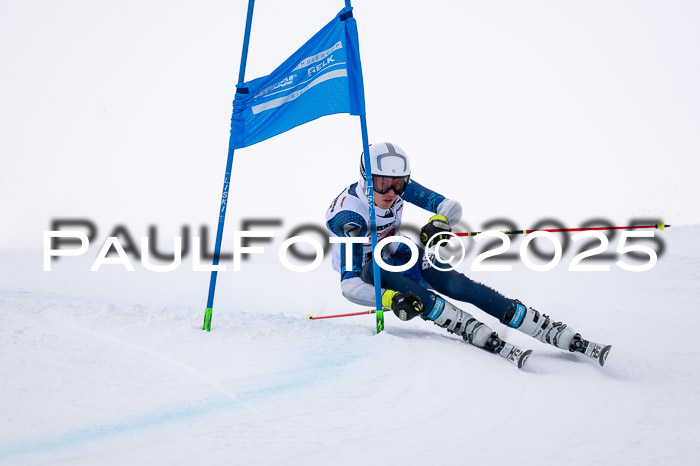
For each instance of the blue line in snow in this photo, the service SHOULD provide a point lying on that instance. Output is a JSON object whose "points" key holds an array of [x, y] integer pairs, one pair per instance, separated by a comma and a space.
{"points": [[304, 377]]}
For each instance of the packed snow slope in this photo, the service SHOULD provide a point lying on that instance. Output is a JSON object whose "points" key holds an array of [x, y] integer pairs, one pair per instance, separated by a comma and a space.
{"points": [[113, 368]]}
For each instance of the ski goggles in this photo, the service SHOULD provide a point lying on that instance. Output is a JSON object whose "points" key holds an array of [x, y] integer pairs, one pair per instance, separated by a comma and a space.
{"points": [[382, 184]]}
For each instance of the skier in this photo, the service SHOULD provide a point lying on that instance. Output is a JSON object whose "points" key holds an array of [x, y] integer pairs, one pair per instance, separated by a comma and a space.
{"points": [[413, 292]]}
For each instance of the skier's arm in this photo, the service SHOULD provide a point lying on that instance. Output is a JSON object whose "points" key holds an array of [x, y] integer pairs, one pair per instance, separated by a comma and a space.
{"points": [[434, 202], [349, 223], [451, 210], [438, 229]]}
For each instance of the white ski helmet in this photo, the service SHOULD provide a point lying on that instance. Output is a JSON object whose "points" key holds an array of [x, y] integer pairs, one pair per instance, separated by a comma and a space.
{"points": [[387, 159]]}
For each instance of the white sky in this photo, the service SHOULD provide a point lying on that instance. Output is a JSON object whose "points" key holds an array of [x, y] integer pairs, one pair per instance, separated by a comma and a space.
{"points": [[119, 111]]}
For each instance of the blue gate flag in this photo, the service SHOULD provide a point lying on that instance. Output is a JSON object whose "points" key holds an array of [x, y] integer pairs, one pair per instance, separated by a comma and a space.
{"points": [[323, 77]]}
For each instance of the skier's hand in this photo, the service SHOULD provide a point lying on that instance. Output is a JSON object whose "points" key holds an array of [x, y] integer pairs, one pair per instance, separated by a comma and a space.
{"points": [[405, 305], [437, 225]]}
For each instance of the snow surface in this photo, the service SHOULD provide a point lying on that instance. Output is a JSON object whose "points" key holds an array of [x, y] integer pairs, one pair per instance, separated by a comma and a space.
{"points": [[95, 371], [118, 112]]}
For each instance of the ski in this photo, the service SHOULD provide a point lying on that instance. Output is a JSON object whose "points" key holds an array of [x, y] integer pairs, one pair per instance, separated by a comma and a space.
{"points": [[508, 351], [591, 349], [597, 351], [514, 355]]}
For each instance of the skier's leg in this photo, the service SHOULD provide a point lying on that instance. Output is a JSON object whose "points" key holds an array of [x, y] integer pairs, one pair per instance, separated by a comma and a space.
{"points": [[437, 309], [399, 282], [510, 312], [539, 326], [460, 287]]}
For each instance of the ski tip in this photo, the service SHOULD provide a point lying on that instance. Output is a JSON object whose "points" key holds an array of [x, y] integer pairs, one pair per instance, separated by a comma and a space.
{"points": [[604, 355], [523, 358]]}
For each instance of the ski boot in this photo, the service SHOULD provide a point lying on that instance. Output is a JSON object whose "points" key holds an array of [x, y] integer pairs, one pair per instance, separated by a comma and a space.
{"points": [[475, 332], [541, 327]]}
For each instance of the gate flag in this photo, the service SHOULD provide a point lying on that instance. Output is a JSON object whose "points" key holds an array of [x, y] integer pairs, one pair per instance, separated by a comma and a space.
{"points": [[323, 77]]}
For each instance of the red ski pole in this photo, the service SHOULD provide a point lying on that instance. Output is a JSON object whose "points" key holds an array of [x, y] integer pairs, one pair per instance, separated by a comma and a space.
{"points": [[371, 311], [659, 226]]}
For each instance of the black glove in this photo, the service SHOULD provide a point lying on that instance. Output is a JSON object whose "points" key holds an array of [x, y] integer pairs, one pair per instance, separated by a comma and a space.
{"points": [[437, 224], [405, 305]]}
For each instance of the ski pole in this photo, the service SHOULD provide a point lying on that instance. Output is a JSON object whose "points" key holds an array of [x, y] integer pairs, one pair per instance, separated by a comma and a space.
{"points": [[370, 311], [659, 226]]}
